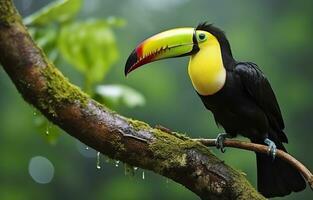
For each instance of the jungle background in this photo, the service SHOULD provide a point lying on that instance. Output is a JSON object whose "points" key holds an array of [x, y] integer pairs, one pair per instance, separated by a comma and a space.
{"points": [[90, 41]]}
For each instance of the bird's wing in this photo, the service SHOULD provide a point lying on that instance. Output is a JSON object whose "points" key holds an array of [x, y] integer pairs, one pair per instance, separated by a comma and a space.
{"points": [[260, 90]]}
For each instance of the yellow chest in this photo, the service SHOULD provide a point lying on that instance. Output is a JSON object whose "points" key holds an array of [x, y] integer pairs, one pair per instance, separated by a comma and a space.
{"points": [[206, 69]]}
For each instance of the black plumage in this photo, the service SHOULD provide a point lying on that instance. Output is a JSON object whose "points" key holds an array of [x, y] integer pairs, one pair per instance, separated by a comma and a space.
{"points": [[247, 105]]}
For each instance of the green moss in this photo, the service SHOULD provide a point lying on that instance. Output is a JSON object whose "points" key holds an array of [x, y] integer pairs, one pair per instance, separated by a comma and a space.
{"points": [[138, 125], [8, 13], [243, 189], [59, 90], [170, 149], [180, 135]]}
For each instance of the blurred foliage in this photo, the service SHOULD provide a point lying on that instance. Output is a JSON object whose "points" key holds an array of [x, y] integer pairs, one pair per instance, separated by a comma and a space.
{"points": [[274, 34], [116, 95], [89, 46], [59, 11], [91, 50]]}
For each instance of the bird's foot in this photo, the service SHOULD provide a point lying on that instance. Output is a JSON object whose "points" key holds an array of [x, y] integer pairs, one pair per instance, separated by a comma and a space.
{"points": [[220, 141], [271, 147]]}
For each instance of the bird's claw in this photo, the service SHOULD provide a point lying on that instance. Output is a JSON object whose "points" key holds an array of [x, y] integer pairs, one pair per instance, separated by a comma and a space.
{"points": [[272, 149], [220, 141]]}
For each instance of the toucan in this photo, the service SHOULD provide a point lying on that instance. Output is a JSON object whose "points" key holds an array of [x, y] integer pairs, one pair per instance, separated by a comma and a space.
{"points": [[237, 93]]}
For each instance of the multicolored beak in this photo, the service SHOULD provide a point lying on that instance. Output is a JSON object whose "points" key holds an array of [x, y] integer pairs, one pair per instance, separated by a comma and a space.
{"points": [[168, 44]]}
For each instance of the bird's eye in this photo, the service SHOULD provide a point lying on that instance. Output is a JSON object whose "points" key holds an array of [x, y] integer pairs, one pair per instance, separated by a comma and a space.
{"points": [[202, 36]]}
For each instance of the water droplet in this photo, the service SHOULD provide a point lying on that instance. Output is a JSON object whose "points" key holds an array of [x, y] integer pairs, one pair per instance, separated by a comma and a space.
{"points": [[117, 162], [135, 168], [143, 175], [98, 160], [85, 150], [35, 113], [48, 128]]}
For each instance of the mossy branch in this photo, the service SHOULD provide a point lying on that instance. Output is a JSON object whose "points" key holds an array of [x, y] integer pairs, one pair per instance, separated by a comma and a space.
{"points": [[167, 153]]}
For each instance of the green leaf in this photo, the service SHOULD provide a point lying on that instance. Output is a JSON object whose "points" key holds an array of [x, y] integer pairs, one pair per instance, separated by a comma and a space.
{"points": [[116, 21], [46, 39], [59, 11], [90, 47], [117, 94]]}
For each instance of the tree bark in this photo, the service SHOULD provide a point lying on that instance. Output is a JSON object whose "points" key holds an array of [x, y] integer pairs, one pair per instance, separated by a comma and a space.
{"points": [[167, 153]]}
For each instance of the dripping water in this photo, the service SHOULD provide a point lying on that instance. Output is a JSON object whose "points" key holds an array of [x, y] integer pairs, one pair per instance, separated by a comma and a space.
{"points": [[143, 175], [98, 160], [48, 128]]}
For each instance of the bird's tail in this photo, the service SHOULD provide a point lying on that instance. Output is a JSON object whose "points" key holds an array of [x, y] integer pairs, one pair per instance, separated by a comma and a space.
{"points": [[277, 177]]}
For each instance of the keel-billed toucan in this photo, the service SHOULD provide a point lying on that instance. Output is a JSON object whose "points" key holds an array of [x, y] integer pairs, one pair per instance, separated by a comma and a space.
{"points": [[237, 93]]}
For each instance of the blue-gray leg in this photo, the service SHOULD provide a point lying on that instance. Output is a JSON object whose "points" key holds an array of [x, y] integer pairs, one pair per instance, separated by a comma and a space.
{"points": [[271, 147], [220, 141]]}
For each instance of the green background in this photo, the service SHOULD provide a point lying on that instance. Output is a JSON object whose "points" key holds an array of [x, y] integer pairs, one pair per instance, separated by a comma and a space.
{"points": [[277, 35]]}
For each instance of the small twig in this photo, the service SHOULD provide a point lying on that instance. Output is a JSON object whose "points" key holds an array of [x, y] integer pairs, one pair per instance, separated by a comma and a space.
{"points": [[162, 128], [263, 149], [132, 136]]}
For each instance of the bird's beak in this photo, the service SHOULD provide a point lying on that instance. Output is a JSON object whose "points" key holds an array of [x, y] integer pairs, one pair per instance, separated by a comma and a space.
{"points": [[168, 44]]}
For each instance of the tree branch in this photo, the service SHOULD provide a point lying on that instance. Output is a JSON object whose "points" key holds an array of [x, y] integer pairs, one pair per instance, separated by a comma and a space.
{"points": [[167, 153], [264, 149]]}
